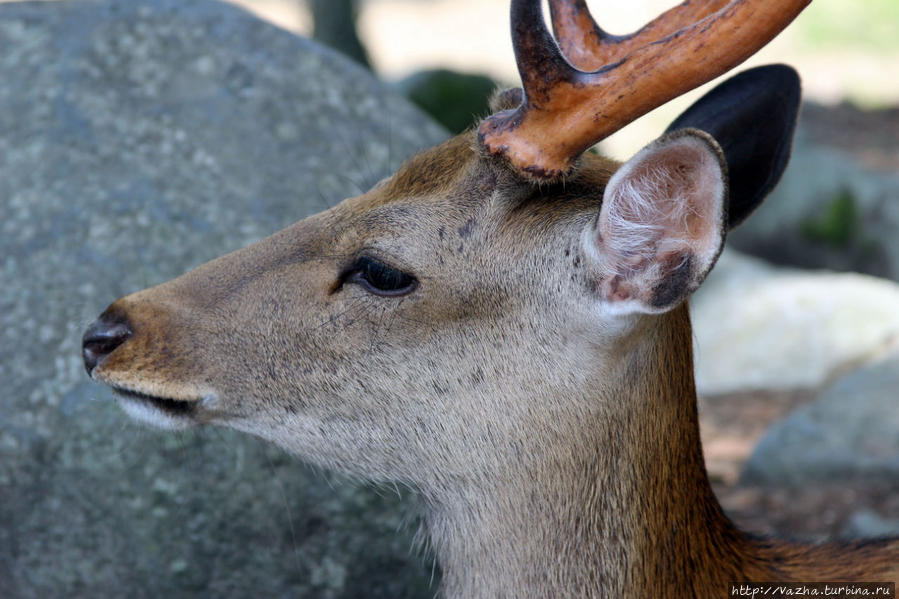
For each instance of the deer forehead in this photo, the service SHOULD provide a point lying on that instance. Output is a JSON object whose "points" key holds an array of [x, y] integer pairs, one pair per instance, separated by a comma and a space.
{"points": [[451, 197]]}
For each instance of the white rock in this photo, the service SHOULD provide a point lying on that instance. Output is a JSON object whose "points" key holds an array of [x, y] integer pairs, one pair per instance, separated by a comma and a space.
{"points": [[759, 327]]}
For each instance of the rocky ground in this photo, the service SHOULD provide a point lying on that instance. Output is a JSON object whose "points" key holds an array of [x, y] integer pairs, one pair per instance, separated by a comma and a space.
{"points": [[732, 424]]}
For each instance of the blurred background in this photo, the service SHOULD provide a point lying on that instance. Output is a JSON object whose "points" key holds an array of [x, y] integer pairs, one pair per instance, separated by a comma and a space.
{"points": [[140, 138]]}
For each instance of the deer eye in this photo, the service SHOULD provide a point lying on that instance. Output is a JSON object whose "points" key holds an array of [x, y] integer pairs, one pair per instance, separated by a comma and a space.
{"points": [[380, 279]]}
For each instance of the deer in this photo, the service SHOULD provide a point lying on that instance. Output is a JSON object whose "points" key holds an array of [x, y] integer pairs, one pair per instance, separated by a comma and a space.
{"points": [[503, 323]]}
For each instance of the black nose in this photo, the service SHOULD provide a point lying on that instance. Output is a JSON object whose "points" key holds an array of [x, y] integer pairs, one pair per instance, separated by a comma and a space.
{"points": [[103, 336]]}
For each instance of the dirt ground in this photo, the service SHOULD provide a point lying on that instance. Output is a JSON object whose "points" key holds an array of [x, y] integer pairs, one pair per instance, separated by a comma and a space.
{"points": [[731, 425]]}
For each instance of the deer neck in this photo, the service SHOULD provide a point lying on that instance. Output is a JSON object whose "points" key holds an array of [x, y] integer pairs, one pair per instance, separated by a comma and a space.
{"points": [[617, 509]]}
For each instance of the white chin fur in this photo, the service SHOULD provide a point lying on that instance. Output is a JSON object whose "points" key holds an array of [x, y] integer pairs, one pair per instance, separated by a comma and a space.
{"points": [[146, 413]]}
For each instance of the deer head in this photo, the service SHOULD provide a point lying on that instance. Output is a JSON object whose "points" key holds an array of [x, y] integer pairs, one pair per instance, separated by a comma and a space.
{"points": [[503, 328]]}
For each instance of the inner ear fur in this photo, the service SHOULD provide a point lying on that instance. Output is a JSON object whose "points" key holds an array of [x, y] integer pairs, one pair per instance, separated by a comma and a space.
{"points": [[662, 223]]}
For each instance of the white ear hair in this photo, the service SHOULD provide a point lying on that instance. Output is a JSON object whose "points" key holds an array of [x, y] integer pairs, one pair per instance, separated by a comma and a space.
{"points": [[661, 225]]}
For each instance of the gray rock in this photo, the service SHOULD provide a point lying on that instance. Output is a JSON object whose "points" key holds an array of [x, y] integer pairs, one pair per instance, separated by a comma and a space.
{"points": [[850, 431], [866, 524], [137, 140], [759, 327]]}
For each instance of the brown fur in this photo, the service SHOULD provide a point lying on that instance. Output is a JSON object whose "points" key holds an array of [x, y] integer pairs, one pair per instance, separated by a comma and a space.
{"points": [[557, 450]]}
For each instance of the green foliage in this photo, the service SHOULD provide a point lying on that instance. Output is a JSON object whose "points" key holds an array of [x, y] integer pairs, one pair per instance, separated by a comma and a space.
{"points": [[838, 225], [863, 24], [455, 100]]}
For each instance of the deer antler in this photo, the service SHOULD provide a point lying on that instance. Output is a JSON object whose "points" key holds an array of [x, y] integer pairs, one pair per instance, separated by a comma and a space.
{"points": [[615, 79]]}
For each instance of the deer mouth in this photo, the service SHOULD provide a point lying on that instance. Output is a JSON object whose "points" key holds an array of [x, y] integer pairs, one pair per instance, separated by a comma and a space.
{"points": [[161, 412]]}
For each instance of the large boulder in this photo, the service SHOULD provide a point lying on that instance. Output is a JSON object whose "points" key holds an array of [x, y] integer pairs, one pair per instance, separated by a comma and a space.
{"points": [[139, 139]]}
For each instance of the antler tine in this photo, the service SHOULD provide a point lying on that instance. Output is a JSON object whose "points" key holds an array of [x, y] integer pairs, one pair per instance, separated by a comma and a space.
{"points": [[566, 110], [582, 41], [588, 47], [540, 64]]}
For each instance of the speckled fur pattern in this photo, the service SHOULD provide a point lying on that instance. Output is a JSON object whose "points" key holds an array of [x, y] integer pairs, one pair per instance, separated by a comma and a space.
{"points": [[555, 444]]}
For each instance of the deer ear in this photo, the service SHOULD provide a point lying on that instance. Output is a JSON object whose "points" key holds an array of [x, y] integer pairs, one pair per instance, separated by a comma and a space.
{"points": [[752, 116], [661, 225]]}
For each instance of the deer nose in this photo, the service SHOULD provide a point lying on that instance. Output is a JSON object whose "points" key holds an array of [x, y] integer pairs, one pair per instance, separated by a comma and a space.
{"points": [[102, 337]]}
